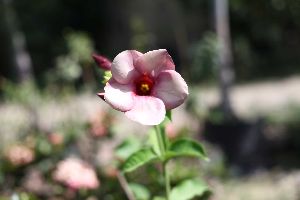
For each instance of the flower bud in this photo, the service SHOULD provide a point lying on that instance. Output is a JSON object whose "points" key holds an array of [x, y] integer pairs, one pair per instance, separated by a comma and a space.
{"points": [[102, 62]]}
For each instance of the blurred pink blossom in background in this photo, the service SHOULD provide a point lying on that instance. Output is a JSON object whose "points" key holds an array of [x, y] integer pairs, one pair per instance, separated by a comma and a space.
{"points": [[55, 138], [99, 123], [19, 155], [144, 86], [76, 174], [171, 131]]}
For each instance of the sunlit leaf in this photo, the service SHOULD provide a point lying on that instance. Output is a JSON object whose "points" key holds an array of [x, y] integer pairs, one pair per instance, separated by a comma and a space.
{"points": [[127, 147], [189, 189], [186, 147], [139, 159]]}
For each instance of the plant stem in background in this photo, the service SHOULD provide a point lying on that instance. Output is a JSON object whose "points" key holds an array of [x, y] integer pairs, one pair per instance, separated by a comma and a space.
{"points": [[124, 185], [167, 180]]}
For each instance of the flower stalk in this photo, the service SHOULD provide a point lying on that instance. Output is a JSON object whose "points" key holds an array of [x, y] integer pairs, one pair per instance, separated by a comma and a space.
{"points": [[162, 148]]}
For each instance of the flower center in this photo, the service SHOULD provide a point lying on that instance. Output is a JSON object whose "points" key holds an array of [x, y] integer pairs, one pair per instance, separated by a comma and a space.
{"points": [[144, 86]]}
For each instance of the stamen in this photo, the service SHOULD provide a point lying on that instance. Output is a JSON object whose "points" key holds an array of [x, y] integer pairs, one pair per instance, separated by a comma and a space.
{"points": [[143, 86]]}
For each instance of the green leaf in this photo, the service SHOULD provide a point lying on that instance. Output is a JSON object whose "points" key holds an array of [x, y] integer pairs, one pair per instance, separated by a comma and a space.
{"points": [[169, 114], [186, 147], [139, 159], [127, 148], [189, 189], [140, 192]]}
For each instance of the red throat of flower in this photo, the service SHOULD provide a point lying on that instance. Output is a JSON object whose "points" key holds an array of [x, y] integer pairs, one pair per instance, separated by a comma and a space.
{"points": [[144, 86]]}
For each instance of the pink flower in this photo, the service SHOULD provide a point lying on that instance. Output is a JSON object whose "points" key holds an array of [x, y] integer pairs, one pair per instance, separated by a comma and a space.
{"points": [[76, 174], [144, 86], [55, 138], [19, 155], [171, 131]]}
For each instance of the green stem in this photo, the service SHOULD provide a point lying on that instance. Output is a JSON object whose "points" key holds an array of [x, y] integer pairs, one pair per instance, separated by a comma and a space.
{"points": [[162, 149], [160, 141]]}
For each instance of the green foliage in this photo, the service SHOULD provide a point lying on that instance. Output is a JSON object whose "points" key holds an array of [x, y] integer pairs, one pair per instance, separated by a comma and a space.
{"points": [[26, 93], [140, 192], [77, 62], [43, 147], [169, 114], [138, 159], [205, 58], [189, 189], [68, 68], [80, 46], [186, 147], [127, 148], [163, 151]]}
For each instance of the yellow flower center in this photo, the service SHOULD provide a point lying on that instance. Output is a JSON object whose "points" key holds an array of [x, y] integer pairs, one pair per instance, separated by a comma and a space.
{"points": [[144, 88], [144, 85]]}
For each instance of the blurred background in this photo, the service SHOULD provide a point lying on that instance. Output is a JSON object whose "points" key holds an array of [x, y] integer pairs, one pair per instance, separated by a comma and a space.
{"points": [[241, 60]]}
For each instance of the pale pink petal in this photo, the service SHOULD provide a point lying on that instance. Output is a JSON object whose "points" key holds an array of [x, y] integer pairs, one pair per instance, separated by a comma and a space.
{"points": [[147, 110], [119, 96], [153, 62], [171, 88], [122, 67]]}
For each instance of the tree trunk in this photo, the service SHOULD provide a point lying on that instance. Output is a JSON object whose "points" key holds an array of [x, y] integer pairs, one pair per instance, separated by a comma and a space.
{"points": [[226, 73], [20, 58]]}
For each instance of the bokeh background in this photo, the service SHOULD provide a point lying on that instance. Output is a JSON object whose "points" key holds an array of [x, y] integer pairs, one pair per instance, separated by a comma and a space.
{"points": [[241, 60]]}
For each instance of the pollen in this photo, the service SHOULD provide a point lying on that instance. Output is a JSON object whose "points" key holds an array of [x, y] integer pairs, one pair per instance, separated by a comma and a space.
{"points": [[144, 86]]}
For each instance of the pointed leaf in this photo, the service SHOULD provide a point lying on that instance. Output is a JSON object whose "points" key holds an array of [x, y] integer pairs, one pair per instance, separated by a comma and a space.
{"points": [[186, 147], [189, 189], [127, 148], [138, 159]]}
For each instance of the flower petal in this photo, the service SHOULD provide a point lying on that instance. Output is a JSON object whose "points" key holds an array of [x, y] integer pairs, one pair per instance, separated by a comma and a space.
{"points": [[119, 96], [122, 67], [147, 110], [153, 62], [171, 88]]}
